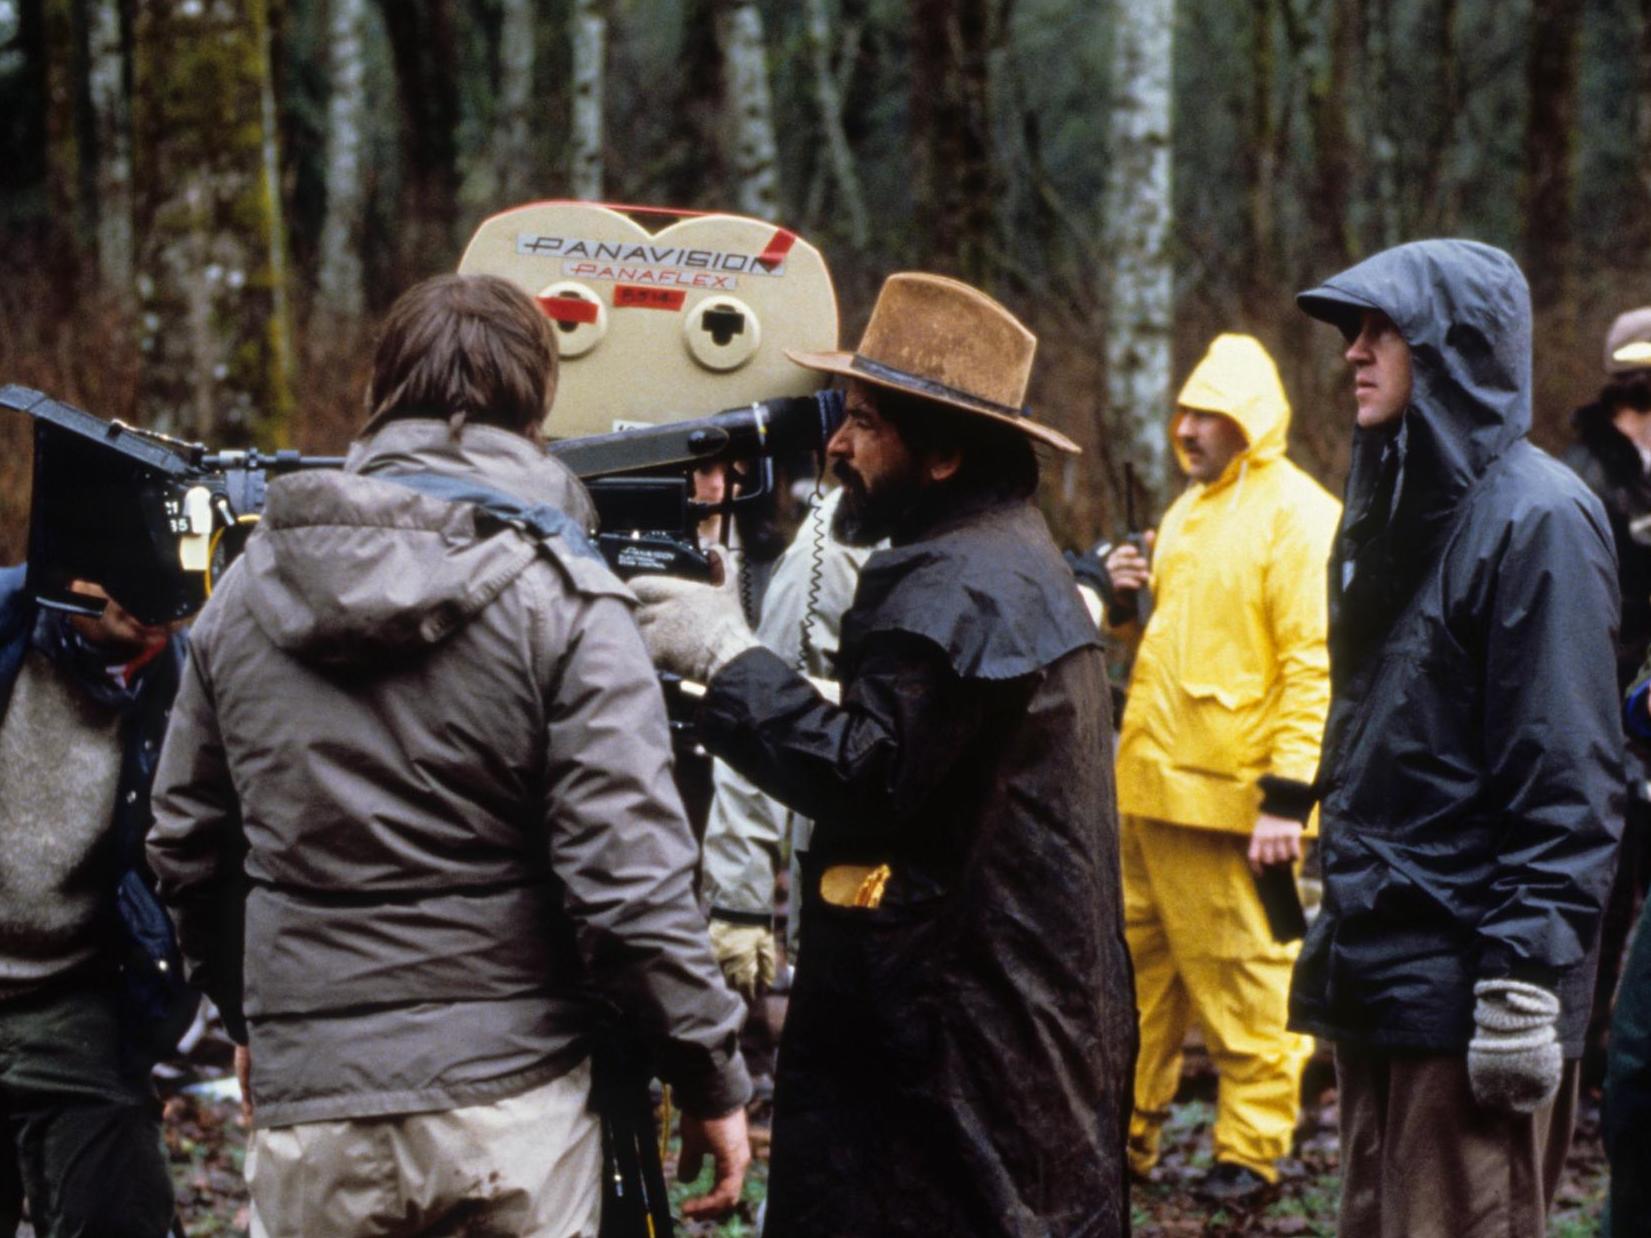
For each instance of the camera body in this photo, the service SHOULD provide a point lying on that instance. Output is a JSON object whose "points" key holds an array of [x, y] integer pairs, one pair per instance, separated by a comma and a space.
{"points": [[151, 519]]}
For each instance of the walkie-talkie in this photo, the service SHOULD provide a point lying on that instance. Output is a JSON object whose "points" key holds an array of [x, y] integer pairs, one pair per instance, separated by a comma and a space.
{"points": [[1134, 535]]}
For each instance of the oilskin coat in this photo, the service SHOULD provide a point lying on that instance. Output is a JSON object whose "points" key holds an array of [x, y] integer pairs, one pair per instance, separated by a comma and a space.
{"points": [[957, 1059], [1231, 681], [1473, 759]]}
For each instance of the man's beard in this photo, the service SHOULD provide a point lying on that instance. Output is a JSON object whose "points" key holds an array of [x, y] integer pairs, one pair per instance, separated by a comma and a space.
{"points": [[865, 516]]}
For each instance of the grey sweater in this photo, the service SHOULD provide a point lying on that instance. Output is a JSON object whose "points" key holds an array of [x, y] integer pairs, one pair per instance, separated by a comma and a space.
{"points": [[60, 758]]}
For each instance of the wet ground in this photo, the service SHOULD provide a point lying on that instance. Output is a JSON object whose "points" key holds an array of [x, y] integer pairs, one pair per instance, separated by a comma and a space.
{"points": [[206, 1142], [1304, 1202]]}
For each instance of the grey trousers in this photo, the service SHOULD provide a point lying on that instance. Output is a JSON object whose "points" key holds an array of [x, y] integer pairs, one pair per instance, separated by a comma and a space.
{"points": [[1421, 1159], [79, 1124]]}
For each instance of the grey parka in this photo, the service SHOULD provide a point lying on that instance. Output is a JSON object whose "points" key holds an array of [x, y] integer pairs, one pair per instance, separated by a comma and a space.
{"points": [[441, 751]]}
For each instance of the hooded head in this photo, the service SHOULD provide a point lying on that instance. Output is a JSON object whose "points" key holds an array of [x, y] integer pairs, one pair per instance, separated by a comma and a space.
{"points": [[1464, 309], [1238, 380]]}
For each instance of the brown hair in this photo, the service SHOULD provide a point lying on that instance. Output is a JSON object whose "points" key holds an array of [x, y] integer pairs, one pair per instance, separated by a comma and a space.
{"points": [[464, 348]]}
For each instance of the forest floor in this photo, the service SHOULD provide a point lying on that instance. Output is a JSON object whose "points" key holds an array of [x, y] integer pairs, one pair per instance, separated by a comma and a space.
{"points": [[206, 1144]]}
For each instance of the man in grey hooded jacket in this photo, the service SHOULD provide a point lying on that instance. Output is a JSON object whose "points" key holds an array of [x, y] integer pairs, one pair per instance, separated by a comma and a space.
{"points": [[420, 753], [1472, 761]]}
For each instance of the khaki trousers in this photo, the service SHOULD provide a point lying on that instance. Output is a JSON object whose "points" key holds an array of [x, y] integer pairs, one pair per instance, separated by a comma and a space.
{"points": [[529, 1165], [1421, 1159]]}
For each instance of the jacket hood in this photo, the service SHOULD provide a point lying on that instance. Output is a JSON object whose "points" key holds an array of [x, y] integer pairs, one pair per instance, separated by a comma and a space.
{"points": [[1238, 379], [349, 565], [1465, 310]]}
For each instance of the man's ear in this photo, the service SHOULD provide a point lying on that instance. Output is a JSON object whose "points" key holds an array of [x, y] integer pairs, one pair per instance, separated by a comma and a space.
{"points": [[943, 465]]}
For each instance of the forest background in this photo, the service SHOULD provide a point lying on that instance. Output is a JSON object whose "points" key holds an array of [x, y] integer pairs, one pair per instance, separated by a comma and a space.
{"points": [[205, 205]]}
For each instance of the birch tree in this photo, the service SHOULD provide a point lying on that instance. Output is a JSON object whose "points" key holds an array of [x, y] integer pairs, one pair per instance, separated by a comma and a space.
{"points": [[590, 44], [211, 270], [109, 90], [1138, 208], [512, 126], [755, 161], [340, 290]]}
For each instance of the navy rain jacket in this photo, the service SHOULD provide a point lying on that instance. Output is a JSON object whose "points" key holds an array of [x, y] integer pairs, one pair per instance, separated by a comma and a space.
{"points": [[1472, 764]]}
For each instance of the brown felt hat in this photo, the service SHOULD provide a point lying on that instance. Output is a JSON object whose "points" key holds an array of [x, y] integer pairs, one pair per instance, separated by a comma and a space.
{"points": [[934, 337], [1628, 342]]}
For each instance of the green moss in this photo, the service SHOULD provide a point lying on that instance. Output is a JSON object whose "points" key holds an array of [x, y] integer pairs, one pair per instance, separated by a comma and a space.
{"points": [[199, 109]]}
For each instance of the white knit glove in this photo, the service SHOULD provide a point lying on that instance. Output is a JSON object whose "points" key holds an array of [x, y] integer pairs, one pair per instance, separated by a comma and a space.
{"points": [[692, 630], [1514, 1062]]}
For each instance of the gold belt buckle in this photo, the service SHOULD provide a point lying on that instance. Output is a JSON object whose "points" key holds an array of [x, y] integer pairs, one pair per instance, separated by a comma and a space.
{"points": [[854, 885]]}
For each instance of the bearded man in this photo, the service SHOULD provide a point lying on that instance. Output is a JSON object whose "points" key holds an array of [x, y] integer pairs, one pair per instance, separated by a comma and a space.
{"points": [[958, 1049]]}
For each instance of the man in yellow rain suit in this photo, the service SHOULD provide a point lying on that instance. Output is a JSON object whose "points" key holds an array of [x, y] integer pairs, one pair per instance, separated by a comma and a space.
{"points": [[1216, 759]]}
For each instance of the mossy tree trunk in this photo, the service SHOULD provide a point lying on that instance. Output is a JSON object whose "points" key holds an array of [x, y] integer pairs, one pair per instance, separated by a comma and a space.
{"points": [[211, 277]]}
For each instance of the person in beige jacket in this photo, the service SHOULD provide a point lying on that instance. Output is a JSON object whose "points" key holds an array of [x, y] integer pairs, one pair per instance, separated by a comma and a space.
{"points": [[420, 752]]}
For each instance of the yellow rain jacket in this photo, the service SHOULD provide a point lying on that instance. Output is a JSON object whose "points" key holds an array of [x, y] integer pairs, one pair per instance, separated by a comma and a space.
{"points": [[1231, 680]]}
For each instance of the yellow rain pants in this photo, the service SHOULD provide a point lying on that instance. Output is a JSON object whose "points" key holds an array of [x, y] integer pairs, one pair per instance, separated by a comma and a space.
{"points": [[1202, 950]]}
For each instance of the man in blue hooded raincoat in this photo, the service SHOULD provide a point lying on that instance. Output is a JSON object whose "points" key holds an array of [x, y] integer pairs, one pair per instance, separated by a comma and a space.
{"points": [[1472, 764]]}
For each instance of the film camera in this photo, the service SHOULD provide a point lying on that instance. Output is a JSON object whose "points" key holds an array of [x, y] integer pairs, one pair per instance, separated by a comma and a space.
{"points": [[672, 358]]}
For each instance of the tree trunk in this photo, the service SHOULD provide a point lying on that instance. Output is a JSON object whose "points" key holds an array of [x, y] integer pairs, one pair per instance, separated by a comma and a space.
{"points": [[755, 161], [1261, 169], [341, 294], [1333, 141], [1551, 76], [110, 82], [590, 42], [26, 153], [1139, 208], [215, 338], [422, 44], [951, 134], [1442, 194], [513, 148], [830, 103], [70, 161], [1380, 145], [1642, 110]]}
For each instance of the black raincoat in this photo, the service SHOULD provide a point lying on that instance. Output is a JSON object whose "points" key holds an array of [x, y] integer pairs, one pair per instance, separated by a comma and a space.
{"points": [[1472, 764], [958, 1059]]}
